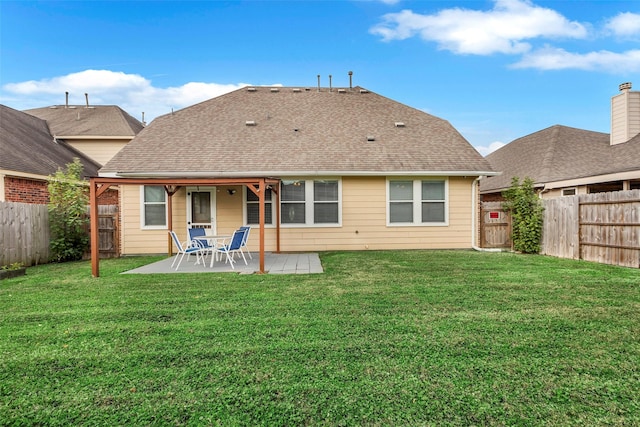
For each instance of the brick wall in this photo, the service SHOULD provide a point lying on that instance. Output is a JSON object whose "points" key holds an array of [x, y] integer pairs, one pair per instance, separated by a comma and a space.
{"points": [[25, 190]]}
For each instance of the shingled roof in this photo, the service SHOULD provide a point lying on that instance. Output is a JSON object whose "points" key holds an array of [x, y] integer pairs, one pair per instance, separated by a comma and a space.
{"points": [[82, 121], [280, 131], [560, 153], [28, 146]]}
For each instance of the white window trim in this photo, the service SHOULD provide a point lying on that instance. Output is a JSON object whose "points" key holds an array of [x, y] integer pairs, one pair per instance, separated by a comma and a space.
{"points": [[417, 202], [143, 226], [309, 202]]}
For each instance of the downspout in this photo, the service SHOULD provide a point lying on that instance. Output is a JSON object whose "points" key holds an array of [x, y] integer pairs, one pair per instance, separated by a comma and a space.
{"points": [[474, 209]]}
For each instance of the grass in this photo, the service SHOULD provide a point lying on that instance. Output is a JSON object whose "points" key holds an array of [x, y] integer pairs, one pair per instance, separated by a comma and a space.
{"points": [[382, 338]]}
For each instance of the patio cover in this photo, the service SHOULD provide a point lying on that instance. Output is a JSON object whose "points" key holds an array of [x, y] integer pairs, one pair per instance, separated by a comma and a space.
{"points": [[99, 185]]}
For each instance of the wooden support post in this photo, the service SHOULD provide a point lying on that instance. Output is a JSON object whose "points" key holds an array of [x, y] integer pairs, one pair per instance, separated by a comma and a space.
{"points": [[261, 198], [94, 235]]}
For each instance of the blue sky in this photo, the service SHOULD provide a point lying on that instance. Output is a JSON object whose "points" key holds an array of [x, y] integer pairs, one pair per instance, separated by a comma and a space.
{"points": [[497, 70]]}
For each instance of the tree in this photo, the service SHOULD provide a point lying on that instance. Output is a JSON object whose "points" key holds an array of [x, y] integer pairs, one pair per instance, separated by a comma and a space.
{"points": [[526, 215], [68, 202]]}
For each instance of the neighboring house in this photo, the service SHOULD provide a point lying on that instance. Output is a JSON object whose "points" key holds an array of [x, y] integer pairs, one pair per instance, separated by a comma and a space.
{"points": [[29, 154], [99, 131], [343, 169], [567, 161]]}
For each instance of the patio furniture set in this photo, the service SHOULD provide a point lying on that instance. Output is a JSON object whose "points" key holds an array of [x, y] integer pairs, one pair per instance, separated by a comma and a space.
{"points": [[203, 245]]}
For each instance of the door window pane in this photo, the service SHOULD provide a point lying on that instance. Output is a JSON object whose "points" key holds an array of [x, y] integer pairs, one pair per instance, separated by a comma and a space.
{"points": [[201, 207]]}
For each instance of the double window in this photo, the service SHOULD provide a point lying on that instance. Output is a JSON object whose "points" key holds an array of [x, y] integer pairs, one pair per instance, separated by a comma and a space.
{"points": [[417, 202], [302, 202], [154, 206]]}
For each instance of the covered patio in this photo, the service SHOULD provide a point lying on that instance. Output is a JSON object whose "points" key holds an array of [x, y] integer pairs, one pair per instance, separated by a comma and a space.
{"points": [[98, 185]]}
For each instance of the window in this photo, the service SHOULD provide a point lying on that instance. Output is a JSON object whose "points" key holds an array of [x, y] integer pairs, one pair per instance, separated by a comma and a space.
{"points": [[417, 202], [154, 206], [253, 208], [310, 202], [568, 191], [293, 202]]}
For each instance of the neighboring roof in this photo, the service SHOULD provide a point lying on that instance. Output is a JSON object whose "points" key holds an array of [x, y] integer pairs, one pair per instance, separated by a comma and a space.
{"points": [[560, 153], [83, 121], [27, 146], [269, 131]]}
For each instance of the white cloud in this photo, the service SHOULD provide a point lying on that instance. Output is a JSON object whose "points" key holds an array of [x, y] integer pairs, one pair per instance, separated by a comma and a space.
{"points": [[503, 29], [486, 150], [550, 58], [132, 92], [624, 25], [390, 2]]}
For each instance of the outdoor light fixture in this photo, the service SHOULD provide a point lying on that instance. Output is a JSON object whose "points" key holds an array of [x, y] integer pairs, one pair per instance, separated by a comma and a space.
{"points": [[231, 191]]}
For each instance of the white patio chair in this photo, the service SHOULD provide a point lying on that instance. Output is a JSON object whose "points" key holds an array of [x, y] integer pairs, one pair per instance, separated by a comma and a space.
{"points": [[186, 248]]}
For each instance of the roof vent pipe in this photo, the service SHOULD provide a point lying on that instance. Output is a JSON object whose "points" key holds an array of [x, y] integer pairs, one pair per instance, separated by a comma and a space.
{"points": [[66, 102], [350, 80], [86, 97], [329, 82], [318, 82]]}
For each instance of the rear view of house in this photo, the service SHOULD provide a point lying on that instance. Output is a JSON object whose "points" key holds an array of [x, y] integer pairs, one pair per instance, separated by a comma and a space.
{"points": [[345, 169]]}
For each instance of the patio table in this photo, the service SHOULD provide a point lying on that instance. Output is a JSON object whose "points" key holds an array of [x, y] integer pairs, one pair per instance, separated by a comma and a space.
{"points": [[213, 242]]}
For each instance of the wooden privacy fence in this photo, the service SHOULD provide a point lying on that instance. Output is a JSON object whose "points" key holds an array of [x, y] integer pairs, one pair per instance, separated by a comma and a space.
{"points": [[24, 233], [600, 227], [495, 226], [108, 229]]}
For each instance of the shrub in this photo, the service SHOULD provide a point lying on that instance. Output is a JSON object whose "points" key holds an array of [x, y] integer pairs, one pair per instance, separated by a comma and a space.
{"points": [[526, 214], [67, 214]]}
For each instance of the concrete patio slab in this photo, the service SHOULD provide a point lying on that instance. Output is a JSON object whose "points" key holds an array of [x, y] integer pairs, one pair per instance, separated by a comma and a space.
{"points": [[284, 263]]}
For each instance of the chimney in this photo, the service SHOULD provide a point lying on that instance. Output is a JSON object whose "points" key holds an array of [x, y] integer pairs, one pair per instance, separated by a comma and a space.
{"points": [[329, 82], [350, 80], [66, 102], [318, 82], [625, 114], [86, 96]]}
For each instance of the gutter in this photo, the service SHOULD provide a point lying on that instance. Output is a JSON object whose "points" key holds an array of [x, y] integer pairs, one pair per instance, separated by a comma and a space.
{"points": [[235, 174]]}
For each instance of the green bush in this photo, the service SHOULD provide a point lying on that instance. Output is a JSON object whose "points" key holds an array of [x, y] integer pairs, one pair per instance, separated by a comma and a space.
{"points": [[68, 202], [526, 214]]}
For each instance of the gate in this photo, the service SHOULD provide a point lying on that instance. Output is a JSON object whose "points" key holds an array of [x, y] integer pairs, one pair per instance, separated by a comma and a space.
{"points": [[495, 226]]}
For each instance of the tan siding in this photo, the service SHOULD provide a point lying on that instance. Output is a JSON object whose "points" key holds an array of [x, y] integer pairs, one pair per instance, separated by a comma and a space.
{"points": [[364, 222], [101, 150]]}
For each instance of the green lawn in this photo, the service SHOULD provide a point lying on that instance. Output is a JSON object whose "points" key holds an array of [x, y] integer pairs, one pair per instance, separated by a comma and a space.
{"points": [[381, 338]]}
